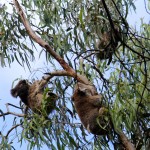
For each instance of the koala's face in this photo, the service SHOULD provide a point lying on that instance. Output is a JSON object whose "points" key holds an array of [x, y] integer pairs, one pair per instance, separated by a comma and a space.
{"points": [[21, 89], [87, 90]]}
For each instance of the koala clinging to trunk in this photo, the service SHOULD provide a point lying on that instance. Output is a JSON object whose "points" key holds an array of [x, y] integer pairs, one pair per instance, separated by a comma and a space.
{"points": [[89, 107], [32, 95], [108, 43]]}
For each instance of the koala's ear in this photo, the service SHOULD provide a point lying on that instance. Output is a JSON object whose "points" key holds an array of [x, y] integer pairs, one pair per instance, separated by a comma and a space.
{"points": [[82, 89], [24, 81], [85, 91]]}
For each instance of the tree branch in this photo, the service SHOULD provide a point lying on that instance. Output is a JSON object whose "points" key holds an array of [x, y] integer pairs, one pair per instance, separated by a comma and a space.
{"points": [[12, 113], [11, 130], [44, 81], [71, 72], [126, 25], [9, 104], [58, 73], [127, 144]]}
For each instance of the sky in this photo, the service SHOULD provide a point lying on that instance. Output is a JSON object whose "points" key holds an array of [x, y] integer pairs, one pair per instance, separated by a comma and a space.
{"points": [[9, 74]]}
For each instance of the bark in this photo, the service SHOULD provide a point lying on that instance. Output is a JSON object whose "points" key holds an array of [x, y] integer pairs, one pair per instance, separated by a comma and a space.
{"points": [[125, 141]]}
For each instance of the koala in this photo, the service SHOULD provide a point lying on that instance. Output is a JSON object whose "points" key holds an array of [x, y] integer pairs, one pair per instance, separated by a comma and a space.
{"points": [[32, 96], [107, 44], [89, 106]]}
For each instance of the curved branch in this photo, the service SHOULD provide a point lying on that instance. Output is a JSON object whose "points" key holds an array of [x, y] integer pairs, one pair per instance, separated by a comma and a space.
{"points": [[71, 72], [50, 75], [9, 104], [12, 113], [14, 127], [125, 141], [44, 81], [55, 73]]}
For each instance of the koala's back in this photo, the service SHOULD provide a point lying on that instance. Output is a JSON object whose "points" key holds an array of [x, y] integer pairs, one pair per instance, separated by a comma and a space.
{"points": [[88, 104], [34, 98], [86, 111]]}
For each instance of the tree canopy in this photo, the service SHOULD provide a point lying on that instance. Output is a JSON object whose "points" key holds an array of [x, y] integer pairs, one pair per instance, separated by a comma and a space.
{"points": [[87, 41]]}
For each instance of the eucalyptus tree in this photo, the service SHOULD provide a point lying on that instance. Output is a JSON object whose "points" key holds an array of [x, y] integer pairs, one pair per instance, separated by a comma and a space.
{"points": [[89, 38]]}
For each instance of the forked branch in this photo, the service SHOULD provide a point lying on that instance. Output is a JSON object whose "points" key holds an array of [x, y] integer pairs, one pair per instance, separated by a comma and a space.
{"points": [[12, 113], [70, 71]]}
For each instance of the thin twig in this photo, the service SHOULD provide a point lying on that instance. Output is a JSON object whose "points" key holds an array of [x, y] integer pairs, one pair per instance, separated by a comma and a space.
{"points": [[13, 105], [12, 113], [11, 130]]}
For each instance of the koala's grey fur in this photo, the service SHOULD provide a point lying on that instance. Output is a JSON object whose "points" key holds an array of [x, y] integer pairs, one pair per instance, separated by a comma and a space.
{"points": [[32, 95], [88, 104]]}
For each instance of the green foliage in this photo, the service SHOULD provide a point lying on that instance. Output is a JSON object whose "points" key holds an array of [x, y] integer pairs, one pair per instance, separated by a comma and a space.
{"points": [[5, 145], [12, 40], [35, 131], [72, 28]]}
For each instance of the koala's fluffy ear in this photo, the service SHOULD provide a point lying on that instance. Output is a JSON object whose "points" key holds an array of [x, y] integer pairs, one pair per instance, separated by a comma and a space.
{"points": [[85, 91], [82, 89], [24, 81]]}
